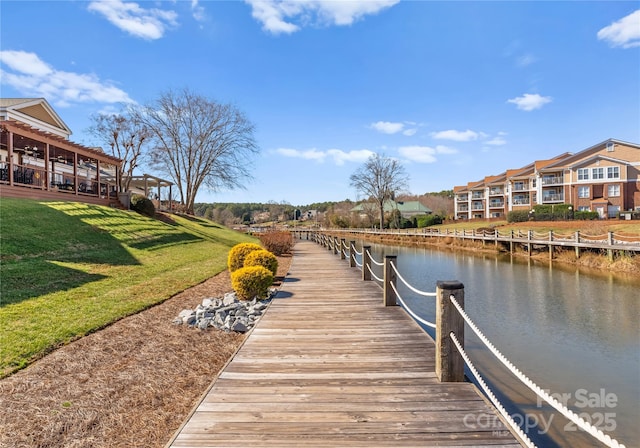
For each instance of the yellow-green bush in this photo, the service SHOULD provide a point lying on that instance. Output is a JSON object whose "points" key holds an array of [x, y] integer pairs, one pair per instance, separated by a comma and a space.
{"points": [[262, 258], [251, 281], [238, 253]]}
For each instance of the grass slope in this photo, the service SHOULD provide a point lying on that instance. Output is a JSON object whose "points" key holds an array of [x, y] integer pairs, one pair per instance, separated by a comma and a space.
{"points": [[67, 269]]}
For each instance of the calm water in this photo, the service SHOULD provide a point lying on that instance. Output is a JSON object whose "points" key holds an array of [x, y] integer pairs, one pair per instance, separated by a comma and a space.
{"points": [[574, 334]]}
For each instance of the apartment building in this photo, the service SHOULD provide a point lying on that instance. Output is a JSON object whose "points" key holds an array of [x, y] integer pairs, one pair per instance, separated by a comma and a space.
{"points": [[603, 178]]}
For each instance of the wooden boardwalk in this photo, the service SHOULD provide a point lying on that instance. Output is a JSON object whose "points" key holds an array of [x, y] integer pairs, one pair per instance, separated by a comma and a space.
{"points": [[329, 366]]}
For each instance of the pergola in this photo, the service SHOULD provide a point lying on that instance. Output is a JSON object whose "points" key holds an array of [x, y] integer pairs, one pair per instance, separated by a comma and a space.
{"points": [[36, 162], [147, 183]]}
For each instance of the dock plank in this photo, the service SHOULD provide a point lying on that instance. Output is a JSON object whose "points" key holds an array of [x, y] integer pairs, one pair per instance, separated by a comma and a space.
{"points": [[329, 365]]}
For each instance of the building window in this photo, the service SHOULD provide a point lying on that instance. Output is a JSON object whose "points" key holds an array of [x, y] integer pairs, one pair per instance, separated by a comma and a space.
{"points": [[583, 192], [613, 190], [598, 173], [583, 173], [583, 208], [613, 172], [610, 146]]}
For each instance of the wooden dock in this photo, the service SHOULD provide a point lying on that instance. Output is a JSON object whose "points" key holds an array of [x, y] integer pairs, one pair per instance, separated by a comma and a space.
{"points": [[328, 365]]}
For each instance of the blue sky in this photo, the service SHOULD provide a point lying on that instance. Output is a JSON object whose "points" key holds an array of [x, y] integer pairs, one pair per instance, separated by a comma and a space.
{"points": [[455, 90]]}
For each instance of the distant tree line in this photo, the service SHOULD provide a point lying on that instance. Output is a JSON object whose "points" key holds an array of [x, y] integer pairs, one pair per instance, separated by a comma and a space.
{"points": [[329, 213]]}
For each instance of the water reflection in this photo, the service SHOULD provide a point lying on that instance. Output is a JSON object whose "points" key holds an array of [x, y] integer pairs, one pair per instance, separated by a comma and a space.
{"points": [[572, 332]]}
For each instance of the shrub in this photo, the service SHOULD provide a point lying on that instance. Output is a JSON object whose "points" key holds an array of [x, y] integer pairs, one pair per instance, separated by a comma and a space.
{"points": [[555, 212], [142, 205], [251, 281], [518, 216], [277, 242], [428, 220], [238, 253], [585, 215], [262, 258]]}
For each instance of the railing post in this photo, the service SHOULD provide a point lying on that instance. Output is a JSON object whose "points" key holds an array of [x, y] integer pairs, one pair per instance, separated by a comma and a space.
{"points": [[352, 254], [449, 362], [342, 257], [335, 245], [577, 237], [529, 241], [389, 279], [610, 242], [366, 261]]}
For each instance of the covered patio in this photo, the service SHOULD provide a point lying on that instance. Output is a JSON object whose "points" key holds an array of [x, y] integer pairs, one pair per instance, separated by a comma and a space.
{"points": [[42, 165]]}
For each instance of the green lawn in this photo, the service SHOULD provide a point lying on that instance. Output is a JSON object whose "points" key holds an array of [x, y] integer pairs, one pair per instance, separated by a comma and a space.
{"points": [[69, 268]]}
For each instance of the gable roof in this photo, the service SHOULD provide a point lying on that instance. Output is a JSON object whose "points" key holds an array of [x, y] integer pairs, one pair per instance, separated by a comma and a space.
{"points": [[35, 112], [573, 158]]}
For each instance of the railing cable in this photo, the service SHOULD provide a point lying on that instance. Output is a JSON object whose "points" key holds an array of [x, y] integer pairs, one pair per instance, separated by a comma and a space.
{"points": [[491, 395], [417, 291], [569, 414], [373, 260], [410, 311], [374, 275]]}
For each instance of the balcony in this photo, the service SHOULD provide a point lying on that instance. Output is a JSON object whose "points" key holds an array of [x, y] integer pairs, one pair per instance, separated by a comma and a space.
{"points": [[477, 207], [552, 180], [463, 198], [477, 195], [463, 208], [521, 201], [496, 204], [552, 197], [496, 192], [520, 186]]}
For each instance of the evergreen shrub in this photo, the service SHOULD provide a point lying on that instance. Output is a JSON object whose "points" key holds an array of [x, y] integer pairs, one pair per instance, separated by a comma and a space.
{"points": [[262, 258], [238, 253], [251, 281], [142, 205], [518, 216]]}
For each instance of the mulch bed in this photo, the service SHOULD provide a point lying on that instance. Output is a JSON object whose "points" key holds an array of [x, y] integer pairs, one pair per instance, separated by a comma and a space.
{"points": [[131, 384]]}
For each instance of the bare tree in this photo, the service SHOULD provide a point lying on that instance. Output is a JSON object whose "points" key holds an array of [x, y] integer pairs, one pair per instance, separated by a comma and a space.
{"points": [[199, 142], [126, 136], [380, 179]]}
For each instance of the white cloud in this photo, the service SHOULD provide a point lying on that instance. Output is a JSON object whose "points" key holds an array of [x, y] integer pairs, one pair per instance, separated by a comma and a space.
{"points": [[197, 11], [496, 141], [276, 16], [339, 156], [624, 33], [424, 154], [387, 127], [526, 60], [35, 78], [457, 136], [529, 101], [130, 17], [410, 132]]}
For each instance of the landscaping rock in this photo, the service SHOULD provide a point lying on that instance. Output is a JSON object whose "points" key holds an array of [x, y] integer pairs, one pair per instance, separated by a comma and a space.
{"points": [[226, 313]]}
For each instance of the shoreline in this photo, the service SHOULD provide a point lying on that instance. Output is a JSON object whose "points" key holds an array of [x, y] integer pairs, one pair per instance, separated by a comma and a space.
{"points": [[621, 266]]}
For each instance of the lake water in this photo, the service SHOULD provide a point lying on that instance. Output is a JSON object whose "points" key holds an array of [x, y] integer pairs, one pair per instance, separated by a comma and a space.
{"points": [[573, 333]]}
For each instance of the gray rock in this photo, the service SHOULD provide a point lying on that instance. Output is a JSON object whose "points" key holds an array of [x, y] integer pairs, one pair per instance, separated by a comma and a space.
{"points": [[239, 326]]}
